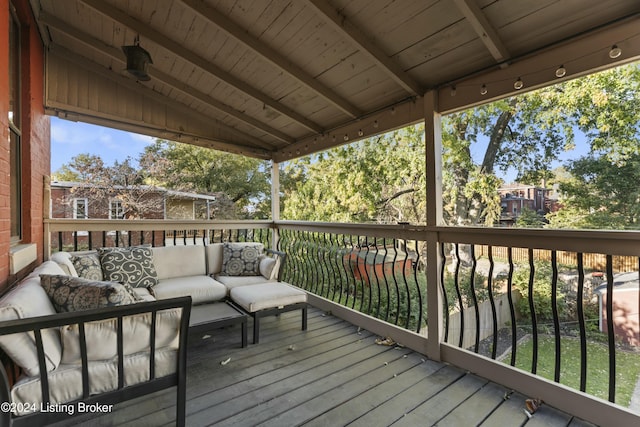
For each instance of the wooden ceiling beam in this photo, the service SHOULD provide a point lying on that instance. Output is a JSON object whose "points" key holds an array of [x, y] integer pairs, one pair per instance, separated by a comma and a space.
{"points": [[242, 35], [373, 51], [175, 48], [484, 29], [163, 78]]}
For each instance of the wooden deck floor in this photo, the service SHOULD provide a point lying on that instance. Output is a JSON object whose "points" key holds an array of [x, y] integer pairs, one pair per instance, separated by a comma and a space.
{"points": [[330, 375]]}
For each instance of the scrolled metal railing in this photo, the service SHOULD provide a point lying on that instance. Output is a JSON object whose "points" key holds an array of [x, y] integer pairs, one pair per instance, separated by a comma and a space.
{"points": [[528, 309], [377, 275]]}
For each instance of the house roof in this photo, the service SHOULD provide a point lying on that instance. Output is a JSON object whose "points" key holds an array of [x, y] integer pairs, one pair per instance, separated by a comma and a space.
{"points": [[171, 193], [280, 79]]}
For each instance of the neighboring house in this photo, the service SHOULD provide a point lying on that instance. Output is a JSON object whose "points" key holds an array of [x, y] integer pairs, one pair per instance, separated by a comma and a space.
{"points": [[516, 197], [625, 297], [160, 203]]}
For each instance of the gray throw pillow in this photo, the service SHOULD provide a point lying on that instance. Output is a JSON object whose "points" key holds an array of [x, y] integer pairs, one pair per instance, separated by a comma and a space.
{"points": [[68, 293], [241, 259], [132, 266], [87, 266]]}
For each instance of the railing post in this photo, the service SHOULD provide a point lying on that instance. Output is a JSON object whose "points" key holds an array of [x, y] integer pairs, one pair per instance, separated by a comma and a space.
{"points": [[433, 160], [46, 214], [275, 202]]}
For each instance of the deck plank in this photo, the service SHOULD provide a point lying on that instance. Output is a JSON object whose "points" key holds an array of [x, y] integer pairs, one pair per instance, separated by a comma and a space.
{"points": [[332, 374]]}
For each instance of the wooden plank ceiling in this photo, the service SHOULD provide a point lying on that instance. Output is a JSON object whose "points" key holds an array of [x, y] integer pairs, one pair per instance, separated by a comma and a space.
{"points": [[277, 79]]}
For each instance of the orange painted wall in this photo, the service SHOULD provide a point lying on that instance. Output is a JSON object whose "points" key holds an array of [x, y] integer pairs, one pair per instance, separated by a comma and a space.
{"points": [[36, 145]]}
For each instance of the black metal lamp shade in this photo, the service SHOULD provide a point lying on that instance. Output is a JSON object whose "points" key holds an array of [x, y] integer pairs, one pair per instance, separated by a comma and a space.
{"points": [[137, 60]]}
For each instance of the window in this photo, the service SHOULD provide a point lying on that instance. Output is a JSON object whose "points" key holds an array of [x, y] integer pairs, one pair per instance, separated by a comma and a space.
{"points": [[15, 113], [80, 209], [115, 210]]}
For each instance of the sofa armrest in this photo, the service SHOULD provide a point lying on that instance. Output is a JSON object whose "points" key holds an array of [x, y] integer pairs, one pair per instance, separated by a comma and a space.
{"points": [[36, 325], [280, 257]]}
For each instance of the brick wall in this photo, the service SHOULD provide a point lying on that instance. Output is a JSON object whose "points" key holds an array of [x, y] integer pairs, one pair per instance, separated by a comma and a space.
{"points": [[36, 148]]}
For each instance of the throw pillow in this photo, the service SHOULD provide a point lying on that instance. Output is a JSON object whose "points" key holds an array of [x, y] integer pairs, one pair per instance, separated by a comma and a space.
{"points": [[241, 259], [87, 266], [133, 266], [69, 293]]}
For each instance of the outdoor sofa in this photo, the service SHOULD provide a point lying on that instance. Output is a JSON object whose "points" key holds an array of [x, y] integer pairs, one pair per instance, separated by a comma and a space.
{"points": [[135, 341]]}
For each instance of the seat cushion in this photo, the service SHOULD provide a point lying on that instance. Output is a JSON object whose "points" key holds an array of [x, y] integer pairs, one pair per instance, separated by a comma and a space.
{"points": [[201, 289], [234, 281], [267, 295], [65, 383]]}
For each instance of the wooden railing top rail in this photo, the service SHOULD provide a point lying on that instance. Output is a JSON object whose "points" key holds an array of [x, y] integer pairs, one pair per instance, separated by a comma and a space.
{"points": [[614, 242], [150, 224]]}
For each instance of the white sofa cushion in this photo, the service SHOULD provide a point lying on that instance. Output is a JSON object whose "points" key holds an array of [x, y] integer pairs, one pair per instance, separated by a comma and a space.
{"points": [[231, 282], [28, 299], [179, 261], [65, 383], [101, 336], [267, 295], [214, 258], [201, 289]]}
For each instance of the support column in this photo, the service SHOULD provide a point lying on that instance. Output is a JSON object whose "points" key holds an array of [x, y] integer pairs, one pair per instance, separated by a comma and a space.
{"points": [[275, 201], [433, 159]]}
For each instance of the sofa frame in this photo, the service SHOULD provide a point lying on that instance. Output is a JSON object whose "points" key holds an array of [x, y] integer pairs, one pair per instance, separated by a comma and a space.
{"points": [[37, 324]]}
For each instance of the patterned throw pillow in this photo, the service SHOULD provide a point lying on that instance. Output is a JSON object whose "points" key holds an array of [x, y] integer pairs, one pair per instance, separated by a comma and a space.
{"points": [[68, 293], [241, 259], [133, 266], [87, 266]]}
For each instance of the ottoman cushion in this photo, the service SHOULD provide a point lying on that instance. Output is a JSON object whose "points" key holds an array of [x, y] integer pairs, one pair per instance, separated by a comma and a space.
{"points": [[267, 295]]}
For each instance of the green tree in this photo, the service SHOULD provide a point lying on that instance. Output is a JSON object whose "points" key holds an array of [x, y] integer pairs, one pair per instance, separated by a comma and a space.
{"points": [[528, 132], [379, 179], [529, 218], [242, 184], [600, 194]]}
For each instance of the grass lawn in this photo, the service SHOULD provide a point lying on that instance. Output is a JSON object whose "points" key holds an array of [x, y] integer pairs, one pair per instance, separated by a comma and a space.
{"points": [[627, 366]]}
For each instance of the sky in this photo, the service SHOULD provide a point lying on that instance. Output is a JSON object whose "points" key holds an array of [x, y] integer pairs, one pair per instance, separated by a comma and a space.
{"points": [[68, 139]]}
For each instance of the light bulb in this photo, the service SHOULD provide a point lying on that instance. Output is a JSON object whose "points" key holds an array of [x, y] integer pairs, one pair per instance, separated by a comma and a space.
{"points": [[453, 91], [483, 90], [375, 124], [519, 84], [615, 52], [561, 71], [360, 132], [346, 137]]}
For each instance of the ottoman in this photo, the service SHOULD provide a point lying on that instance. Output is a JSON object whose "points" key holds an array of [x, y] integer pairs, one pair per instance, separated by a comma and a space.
{"points": [[269, 298]]}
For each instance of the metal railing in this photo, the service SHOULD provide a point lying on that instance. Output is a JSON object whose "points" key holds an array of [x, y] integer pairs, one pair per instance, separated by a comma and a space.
{"points": [[514, 311]]}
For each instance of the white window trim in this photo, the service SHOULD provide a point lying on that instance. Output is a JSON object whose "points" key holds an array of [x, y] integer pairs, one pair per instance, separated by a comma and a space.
{"points": [[75, 208], [111, 203]]}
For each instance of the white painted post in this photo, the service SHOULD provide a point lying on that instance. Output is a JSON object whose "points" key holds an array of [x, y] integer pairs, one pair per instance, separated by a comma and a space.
{"points": [[275, 201], [433, 159]]}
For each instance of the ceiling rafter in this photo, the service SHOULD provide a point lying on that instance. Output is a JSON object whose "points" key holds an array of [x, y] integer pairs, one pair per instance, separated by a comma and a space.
{"points": [[382, 60], [240, 34], [484, 29], [178, 50], [116, 54], [155, 96]]}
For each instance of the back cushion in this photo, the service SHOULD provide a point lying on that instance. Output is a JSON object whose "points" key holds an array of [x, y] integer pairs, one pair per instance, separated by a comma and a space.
{"points": [[179, 261], [214, 258], [28, 299], [102, 336]]}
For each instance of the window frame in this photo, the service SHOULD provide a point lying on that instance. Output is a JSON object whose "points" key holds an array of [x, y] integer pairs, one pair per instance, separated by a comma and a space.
{"points": [[118, 208], [15, 129], [75, 207]]}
